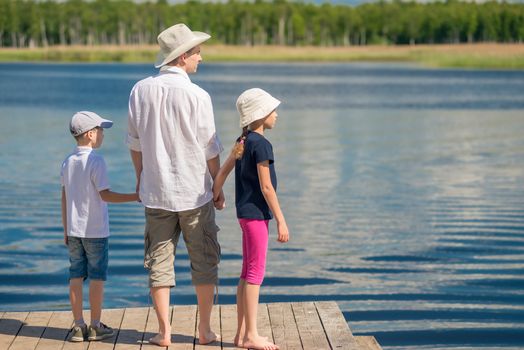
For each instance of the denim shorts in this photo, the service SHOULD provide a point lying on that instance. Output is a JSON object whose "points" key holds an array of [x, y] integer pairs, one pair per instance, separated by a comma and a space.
{"points": [[88, 258]]}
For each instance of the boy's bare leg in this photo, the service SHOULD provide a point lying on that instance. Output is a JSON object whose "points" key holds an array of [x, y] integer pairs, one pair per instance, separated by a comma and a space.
{"points": [[251, 338], [241, 329], [75, 296], [160, 296], [205, 295], [96, 297]]}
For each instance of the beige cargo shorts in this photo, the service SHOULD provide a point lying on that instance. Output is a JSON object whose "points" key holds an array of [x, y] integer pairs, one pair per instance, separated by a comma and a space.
{"points": [[199, 231]]}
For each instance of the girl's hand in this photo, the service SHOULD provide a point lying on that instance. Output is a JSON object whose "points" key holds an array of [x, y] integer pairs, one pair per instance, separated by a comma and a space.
{"points": [[219, 200], [283, 232]]}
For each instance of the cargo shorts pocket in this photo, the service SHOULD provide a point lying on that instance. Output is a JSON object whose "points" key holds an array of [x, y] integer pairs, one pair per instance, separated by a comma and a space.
{"points": [[212, 249]]}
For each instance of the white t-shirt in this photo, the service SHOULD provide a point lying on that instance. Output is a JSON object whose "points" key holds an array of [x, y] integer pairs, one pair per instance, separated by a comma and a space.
{"points": [[171, 122], [83, 176]]}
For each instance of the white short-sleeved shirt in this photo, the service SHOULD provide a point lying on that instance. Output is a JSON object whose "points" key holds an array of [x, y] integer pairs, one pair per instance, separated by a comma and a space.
{"points": [[171, 122], [83, 176]]}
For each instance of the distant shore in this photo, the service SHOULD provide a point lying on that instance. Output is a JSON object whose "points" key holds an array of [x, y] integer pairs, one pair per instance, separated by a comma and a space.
{"points": [[484, 56]]}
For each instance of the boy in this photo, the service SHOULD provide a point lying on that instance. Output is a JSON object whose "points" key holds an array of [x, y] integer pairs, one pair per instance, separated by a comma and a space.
{"points": [[85, 191]]}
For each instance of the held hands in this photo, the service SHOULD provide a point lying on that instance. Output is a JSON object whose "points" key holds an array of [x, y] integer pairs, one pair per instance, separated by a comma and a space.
{"points": [[283, 232], [219, 199]]}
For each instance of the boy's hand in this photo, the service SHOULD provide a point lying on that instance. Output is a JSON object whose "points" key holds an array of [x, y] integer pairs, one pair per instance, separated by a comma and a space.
{"points": [[283, 232]]}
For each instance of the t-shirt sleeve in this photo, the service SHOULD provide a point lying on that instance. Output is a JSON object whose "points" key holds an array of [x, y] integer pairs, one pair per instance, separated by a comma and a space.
{"points": [[263, 151], [99, 174]]}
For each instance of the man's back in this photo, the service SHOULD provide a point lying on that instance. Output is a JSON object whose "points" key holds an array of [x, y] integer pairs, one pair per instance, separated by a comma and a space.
{"points": [[171, 122]]}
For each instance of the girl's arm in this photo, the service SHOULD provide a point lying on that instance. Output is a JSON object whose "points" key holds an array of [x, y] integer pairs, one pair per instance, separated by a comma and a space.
{"points": [[221, 176], [115, 197], [64, 214], [270, 196]]}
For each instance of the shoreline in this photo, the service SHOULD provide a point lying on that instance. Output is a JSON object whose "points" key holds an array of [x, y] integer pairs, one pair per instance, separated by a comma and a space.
{"points": [[481, 56]]}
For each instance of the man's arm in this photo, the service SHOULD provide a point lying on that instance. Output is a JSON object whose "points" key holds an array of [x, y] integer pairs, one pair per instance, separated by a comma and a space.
{"points": [[64, 215], [136, 157], [213, 165]]}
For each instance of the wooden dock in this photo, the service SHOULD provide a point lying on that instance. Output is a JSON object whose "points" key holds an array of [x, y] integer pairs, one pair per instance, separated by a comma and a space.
{"points": [[308, 326]]}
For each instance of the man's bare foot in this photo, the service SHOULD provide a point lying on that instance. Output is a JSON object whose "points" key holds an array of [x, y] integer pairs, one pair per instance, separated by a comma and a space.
{"points": [[207, 338], [238, 341], [160, 340], [259, 343]]}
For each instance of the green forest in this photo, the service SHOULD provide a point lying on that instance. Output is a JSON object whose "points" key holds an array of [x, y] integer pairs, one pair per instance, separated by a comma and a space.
{"points": [[30, 23]]}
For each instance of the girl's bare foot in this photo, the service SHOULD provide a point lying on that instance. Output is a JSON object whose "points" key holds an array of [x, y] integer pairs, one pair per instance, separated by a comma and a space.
{"points": [[160, 340], [259, 343], [208, 337]]}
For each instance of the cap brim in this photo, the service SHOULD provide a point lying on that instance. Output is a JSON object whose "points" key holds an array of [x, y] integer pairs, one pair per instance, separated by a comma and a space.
{"points": [[106, 124], [162, 59]]}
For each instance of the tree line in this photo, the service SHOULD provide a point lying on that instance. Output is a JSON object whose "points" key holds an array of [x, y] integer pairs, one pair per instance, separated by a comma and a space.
{"points": [[37, 23]]}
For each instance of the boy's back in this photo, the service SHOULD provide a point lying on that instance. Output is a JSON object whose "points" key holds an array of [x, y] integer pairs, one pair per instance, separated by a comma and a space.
{"points": [[83, 176]]}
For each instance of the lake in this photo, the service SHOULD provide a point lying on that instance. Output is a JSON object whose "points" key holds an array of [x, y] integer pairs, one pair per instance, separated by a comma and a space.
{"points": [[403, 188]]}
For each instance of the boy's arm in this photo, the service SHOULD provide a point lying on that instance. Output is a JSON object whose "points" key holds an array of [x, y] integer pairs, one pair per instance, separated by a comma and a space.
{"points": [[64, 215], [115, 197], [221, 177], [268, 191]]}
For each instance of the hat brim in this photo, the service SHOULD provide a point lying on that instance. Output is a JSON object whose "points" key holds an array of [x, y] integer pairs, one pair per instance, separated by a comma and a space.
{"points": [[162, 59]]}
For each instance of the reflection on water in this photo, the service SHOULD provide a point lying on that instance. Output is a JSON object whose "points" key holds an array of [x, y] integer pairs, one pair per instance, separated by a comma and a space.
{"points": [[402, 187]]}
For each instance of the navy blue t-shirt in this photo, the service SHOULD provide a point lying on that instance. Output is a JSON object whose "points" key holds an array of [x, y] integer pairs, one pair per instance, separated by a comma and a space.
{"points": [[249, 200]]}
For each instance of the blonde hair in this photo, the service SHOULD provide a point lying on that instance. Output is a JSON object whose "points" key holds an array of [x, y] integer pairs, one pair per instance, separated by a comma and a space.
{"points": [[238, 148]]}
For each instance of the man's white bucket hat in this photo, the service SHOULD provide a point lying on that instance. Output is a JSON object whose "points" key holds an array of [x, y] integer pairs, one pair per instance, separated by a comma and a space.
{"points": [[84, 121], [255, 104], [176, 40]]}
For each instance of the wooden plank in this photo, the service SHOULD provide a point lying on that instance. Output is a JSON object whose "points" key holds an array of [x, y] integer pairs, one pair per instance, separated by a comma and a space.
{"points": [[30, 333], [229, 323], [309, 327], [56, 331], [336, 328], [10, 324], [263, 323], [183, 323], [183, 327], [112, 318], [69, 345], [215, 327], [367, 343], [132, 329], [284, 328]]}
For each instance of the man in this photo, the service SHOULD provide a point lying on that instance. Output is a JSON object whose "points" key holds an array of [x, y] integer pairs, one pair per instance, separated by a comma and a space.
{"points": [[175, 152]]}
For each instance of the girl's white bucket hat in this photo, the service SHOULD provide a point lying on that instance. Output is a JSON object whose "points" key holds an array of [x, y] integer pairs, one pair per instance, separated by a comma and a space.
{"points": [[255, 104], [176, 40]]}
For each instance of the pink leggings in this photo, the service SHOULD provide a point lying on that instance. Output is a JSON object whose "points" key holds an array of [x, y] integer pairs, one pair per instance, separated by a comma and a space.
{"points": [[254, 249]]}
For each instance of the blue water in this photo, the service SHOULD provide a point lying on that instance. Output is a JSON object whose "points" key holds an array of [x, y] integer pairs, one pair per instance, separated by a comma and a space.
{"points": [[403, 188]]}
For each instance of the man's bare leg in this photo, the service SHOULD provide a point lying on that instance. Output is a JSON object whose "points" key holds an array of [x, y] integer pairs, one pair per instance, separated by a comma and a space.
{"points": [[205, 294], [160, 297]]}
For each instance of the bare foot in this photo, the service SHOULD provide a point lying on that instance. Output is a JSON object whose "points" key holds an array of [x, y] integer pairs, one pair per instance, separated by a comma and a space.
{"points": [[259, 343], [160, 340], [238, 341], [208, 338]]}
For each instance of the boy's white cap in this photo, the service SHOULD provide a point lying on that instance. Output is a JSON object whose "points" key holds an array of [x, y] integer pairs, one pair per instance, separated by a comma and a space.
{"points": [[84, 121], [255, 104]]}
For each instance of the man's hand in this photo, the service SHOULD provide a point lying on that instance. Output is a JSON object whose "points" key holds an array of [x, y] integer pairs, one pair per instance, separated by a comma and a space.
{"points": [[65, 239]]}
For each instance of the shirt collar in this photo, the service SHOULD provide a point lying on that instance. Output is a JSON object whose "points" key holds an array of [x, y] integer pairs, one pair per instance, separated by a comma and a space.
{"points": [[176, 70], [83, 148]]}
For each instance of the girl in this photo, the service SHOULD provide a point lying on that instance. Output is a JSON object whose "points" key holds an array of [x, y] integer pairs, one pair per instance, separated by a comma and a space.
{"points": [[256, 203]]}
